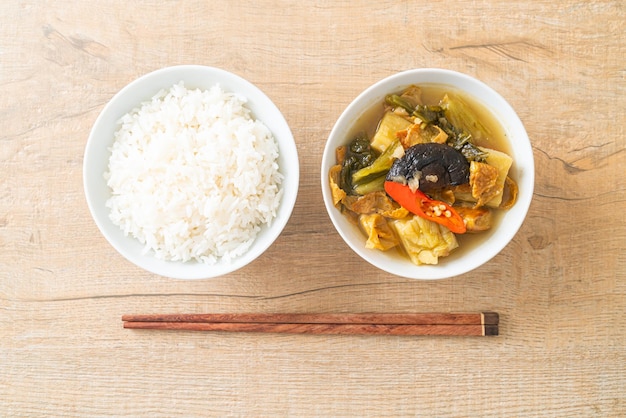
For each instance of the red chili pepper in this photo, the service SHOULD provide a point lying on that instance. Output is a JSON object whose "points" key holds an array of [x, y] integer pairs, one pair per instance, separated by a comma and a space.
{"points": [[418, 203]]}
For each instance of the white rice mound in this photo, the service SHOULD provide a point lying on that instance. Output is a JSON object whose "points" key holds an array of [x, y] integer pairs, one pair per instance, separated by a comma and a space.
{"points": [[193, 176]]}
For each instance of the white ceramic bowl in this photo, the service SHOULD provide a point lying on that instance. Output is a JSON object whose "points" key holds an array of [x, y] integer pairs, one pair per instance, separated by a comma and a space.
{"points": [[464, 258], [101, 138]]}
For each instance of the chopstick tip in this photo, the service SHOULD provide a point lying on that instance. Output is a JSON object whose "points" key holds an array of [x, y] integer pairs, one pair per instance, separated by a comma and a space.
{"points": [[491, 318], [491, 330]]}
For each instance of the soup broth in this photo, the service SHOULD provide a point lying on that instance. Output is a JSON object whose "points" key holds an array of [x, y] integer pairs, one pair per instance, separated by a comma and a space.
{"points": [[432, 94]]}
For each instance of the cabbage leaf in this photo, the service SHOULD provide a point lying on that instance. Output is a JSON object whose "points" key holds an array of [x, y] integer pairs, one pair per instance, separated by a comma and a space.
{"points": [[423, 241]]}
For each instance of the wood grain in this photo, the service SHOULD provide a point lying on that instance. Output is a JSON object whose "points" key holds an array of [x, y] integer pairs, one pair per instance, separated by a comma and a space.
{"points": [[559, 287]]}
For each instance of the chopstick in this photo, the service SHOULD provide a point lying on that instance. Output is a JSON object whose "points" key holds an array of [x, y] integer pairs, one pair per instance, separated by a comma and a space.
{"points": [[461, 324]]}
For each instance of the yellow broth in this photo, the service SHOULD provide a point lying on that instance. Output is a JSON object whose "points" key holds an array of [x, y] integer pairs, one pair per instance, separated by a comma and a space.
{"points": [[431, 95]]}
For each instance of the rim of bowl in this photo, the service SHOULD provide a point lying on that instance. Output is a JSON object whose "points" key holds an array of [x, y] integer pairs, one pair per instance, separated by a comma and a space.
{"points": [[144, 87], [523, 164]]}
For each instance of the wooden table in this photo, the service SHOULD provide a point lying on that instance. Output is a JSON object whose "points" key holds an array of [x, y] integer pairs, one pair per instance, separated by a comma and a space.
{"points": [[560, 286]]}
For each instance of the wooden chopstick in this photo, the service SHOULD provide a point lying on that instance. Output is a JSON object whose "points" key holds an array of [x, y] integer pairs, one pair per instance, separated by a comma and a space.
{"points": [[430, 318], [343, 329], [462, 324]]}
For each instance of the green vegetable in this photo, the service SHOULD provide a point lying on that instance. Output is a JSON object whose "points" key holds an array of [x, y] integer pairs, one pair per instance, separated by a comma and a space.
{"points": [[372, 177], [427, 114], [381, 165], [397, 101], [462, 141], [372, 185], [461, 115], [358, 155]]}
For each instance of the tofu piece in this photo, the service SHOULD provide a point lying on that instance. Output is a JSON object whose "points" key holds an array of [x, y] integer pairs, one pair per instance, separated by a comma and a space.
{"points": [[503, 163], [389, 125], [483, 181]]}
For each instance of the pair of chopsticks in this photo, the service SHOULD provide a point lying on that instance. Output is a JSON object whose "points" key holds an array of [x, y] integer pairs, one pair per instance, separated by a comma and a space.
{"points": [[451, 324]]}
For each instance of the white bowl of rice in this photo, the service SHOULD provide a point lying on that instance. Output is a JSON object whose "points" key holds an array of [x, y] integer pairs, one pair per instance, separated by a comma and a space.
{"points": [[191, 172]]}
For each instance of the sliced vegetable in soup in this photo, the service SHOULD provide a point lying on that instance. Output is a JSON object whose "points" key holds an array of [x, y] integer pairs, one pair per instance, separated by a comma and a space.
{"points": [[429, 168]]}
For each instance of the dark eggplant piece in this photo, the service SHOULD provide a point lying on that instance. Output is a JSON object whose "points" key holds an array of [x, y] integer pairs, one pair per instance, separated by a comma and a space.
{"points": [[430, 167]]}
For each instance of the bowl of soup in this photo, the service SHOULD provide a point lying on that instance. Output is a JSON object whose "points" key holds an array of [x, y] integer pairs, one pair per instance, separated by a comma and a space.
{"points": [[428, 174]]}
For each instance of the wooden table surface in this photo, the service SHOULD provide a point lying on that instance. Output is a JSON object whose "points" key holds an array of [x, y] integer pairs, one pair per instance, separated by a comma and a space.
{"points": [[560, 286]]}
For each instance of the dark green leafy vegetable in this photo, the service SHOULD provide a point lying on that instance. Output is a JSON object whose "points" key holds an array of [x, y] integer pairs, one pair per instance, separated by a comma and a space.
{"points": [[394, 100], [462, 141], [371, 178], [427, 114], [358, 155], [381, 165]]}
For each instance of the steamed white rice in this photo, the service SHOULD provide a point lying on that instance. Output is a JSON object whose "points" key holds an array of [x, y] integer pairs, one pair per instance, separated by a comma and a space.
{"points": [[193, 175]]}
